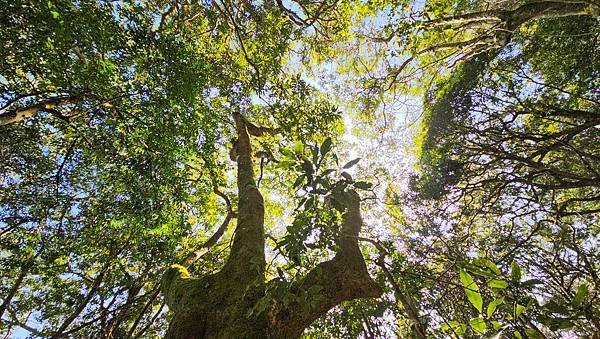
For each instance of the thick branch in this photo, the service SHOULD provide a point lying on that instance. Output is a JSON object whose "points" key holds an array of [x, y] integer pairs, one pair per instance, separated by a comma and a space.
{"points": [[453, 45], [247, 258], [345, 277], [17, 115], [153, 296], [191, 258], [546, 9], [290, 14], [419, 328], [520, 15]]}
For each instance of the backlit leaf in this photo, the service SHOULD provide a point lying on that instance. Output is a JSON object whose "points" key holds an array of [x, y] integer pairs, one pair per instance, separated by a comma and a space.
{"points": [[472, 290]]}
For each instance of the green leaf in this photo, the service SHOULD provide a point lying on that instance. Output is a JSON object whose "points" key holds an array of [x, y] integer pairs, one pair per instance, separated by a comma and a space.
{"points": [[489, 264], [299, 181], [491, 308], [532, 282], [310, 202], [519, 309], [479, 271], [517, 335], [582, 293], [461, 330], [561, 324], [286, 164], [61, 260], [314, 290], [363, 185], [532, 333], [337, 204], [449, 325], [325, 147], [315, 153], [478, 324], [379, 310], [515, 272], [286, 152], [555, 307], [298, 147], [351, 163], [307, 167], [454, 326], [472, 290], [347, 176], [496, 325], [467, 281], [497, 283], [327, 172]]}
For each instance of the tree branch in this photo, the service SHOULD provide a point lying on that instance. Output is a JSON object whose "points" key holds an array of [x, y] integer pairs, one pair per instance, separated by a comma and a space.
{"points": [[88, 297], [17, 115], [249, 240], [419, 328], [191, 258], [345, 277]]}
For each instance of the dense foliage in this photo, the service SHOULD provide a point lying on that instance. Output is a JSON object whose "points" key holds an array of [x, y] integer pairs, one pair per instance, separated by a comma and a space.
{"points": [[481, 203]]}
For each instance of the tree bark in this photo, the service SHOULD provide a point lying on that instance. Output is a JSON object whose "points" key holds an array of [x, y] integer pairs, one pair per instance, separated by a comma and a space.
{"points": [[48, 105], [345, 277], [247, 258]]}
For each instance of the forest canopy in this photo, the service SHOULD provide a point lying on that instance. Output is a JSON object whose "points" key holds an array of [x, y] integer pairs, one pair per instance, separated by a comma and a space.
{"points": [[287, 169]]}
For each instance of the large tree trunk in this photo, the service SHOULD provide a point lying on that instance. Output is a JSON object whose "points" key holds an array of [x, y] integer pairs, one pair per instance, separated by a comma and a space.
{"points": [[495, 27], [516, 17], [223, 305]]}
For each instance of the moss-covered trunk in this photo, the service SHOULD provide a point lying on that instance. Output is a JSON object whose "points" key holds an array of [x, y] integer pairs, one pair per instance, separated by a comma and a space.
{"points": [[223, 305]]}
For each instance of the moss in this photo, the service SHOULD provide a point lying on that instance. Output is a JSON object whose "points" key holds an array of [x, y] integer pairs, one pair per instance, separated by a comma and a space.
{"points": [[172, 273], [177, 286]]}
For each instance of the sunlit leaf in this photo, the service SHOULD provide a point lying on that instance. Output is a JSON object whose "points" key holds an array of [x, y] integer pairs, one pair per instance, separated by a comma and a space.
{"points": [[497, 283], [515, 272], [454, 326], [580, 296], [298, 147], [478, 324], [491, 308], [472, 290]]}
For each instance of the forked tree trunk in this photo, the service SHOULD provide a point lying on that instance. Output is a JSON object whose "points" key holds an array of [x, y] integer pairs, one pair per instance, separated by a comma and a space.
{"points": [[223, 305]]}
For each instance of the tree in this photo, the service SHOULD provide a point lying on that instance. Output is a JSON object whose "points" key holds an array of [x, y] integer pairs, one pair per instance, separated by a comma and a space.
{"points": [[100, 110], [219, 305], [133, 133], [507, 152]]}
